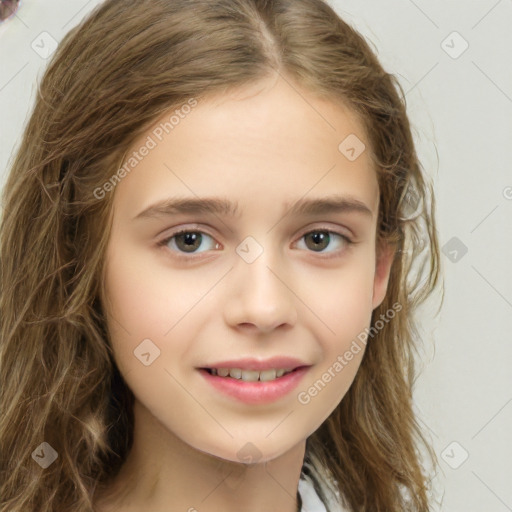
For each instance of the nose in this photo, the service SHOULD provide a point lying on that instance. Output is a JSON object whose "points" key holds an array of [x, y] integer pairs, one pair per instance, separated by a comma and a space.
{"points": [[260, 296]]}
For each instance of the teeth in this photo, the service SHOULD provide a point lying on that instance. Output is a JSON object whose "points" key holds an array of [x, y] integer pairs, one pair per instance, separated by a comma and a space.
{"points": [[250, 375], [247, 375], [267, 374]]}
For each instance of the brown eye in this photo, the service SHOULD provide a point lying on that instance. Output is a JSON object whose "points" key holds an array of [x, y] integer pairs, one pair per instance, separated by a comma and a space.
{"points": [[321, 239], [188, 241]]}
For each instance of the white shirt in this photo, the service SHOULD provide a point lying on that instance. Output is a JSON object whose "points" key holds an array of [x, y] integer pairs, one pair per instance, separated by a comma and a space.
{"points": [[311, 502]]}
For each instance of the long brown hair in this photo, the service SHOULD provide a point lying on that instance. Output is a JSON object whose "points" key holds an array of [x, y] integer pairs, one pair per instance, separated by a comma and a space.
{"points": [[110, 78]]}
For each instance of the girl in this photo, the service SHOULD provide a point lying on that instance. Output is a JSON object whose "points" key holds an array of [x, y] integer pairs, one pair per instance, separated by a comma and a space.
{"points": [[207, 290]]}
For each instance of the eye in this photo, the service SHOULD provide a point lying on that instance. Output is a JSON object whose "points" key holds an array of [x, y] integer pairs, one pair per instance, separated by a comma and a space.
{"points": [[318, 239], [187, 241]]}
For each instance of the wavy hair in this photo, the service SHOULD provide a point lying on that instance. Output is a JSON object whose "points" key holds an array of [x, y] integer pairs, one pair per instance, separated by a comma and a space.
{"points": [[112, 76]]}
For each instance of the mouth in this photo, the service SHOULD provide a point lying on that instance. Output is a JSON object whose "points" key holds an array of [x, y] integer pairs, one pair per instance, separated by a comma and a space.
{"points": [[254, 387], [251, 375]]}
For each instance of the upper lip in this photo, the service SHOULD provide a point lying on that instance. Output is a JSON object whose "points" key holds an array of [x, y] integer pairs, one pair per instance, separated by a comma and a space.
{"points": [[281, 362]]}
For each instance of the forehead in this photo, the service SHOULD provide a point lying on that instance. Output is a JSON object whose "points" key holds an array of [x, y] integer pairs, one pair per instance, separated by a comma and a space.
{"points": [[270, 140]]}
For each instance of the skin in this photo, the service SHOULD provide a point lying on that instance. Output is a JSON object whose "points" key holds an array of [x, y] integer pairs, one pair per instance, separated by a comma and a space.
{"points": [[264, 146]]}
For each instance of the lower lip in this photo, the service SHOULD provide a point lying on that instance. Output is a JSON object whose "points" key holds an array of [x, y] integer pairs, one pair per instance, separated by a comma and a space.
{"points": [[256, 392]]}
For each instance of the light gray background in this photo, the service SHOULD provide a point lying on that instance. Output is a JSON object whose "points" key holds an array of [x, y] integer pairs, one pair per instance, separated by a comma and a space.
{"points": [[460, 107]]}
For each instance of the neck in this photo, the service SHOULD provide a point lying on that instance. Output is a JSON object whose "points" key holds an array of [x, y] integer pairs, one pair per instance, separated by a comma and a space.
{"points": [[164, 474]]}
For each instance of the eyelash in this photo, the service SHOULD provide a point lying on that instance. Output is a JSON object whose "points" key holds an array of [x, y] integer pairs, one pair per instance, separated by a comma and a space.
{"points": [[188, 256]]}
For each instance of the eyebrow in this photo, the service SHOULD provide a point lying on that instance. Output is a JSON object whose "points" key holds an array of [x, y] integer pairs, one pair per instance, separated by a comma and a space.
{"points": [[225, 207]]}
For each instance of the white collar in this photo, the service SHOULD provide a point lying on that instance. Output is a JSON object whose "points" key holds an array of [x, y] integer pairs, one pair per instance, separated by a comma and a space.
{"points": [[311, 502], [310, 499]]}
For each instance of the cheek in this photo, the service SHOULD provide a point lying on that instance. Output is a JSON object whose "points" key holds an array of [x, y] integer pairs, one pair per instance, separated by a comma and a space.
{"points": [[341, 350], [145, 300], [342, 301], [153, 310]]}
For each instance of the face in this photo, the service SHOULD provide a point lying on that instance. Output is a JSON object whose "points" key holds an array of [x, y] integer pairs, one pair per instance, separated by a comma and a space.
{"points": [[269, 280]]}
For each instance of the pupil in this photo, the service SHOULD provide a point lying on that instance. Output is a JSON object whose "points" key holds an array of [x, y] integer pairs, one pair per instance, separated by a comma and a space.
{"points": [[319, 238], [190, 239]]}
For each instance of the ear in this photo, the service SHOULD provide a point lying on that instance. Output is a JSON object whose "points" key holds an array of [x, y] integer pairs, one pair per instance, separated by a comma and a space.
{"points": [[384, 260]]}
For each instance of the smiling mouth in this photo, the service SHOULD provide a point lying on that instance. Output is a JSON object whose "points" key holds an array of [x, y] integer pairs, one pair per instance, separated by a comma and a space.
{"points": [[254, 387], [251, 375]]}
